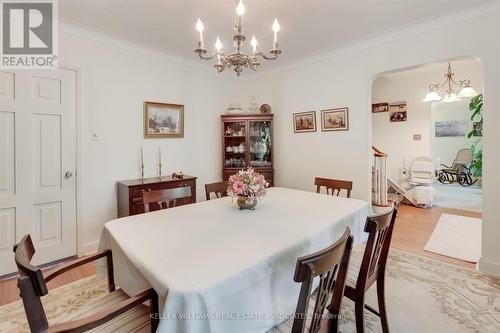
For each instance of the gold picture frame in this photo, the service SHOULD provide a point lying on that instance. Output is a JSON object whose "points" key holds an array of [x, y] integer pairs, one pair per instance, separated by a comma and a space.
{"points": [[335, 119], [163, 120], [304, 122]]}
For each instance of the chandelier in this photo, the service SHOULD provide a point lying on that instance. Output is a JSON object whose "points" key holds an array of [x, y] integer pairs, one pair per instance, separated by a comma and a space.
{"points": [[450, 83], [237, 59]]}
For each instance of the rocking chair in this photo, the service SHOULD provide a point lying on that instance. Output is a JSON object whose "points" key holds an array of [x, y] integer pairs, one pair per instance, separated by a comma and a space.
{"points": [[459, 171]]}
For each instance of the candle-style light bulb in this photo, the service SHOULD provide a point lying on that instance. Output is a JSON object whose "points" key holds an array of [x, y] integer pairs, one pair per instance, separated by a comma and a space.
{"points": [[240, 9], [200, 28], [254, 44], [276, 28], [218, 45], [199, 25]]}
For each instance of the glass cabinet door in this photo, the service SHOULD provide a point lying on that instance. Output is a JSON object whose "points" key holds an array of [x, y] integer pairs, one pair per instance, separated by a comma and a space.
{"points": [[260, 143], [235, 144]]}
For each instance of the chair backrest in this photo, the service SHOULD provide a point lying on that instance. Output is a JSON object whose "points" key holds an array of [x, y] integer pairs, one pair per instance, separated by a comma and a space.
{"points": [[31, 285], [330, 265], [421, 169], [379, 229], [464, 157], [219, 189], [333, 185], [167, 198]]}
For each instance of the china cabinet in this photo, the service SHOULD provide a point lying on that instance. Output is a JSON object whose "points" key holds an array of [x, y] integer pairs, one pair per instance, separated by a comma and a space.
{"points": [[247, 140]]}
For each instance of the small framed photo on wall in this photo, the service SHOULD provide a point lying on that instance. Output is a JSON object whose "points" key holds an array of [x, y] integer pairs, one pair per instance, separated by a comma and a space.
{"points": [[163, 120], [380, 107], [335, 120], [304, 122], [397, 112]]}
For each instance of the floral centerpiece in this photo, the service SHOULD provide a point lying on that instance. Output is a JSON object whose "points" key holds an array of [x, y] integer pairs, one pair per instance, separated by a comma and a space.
{"points": [[247, 186]]}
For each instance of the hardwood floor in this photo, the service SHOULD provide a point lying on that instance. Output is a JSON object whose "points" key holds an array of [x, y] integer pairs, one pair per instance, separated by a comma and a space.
{"points": [[10, 293], [413, 228]]}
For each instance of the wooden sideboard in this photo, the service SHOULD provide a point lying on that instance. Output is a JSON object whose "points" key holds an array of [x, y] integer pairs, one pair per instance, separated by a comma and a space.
{"points": [[130, 192]]}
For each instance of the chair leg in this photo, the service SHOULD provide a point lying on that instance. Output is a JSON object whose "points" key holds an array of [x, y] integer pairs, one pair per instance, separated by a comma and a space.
{"points": [[381, 304], [359, 307]]}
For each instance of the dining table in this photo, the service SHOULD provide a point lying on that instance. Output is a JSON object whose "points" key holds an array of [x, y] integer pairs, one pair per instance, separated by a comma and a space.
{"points": [[219, 269]]}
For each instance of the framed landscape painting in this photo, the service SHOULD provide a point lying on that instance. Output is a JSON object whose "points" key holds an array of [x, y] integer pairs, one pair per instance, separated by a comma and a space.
{"points": [[162, 120], [304, 122], [335, 120], [450, 128]]}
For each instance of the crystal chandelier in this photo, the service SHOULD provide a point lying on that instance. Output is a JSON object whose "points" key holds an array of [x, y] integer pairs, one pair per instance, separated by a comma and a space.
{"points": [[451, 96], [237, 59]]}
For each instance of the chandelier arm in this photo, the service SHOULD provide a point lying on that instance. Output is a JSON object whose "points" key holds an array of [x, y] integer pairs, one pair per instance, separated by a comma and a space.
{"points": [[214, 54], [207, 58], [263, 55]]}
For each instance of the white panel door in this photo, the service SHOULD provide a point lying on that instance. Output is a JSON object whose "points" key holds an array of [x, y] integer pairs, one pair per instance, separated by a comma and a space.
{"points": [[37, 163]]}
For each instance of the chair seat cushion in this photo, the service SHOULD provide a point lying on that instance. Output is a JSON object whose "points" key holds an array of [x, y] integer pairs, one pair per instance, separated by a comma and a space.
{"points": [[135, 320]]}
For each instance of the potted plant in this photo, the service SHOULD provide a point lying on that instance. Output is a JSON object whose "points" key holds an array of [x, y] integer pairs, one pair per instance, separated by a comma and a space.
{"points": [[247, 186], [476, 107]]}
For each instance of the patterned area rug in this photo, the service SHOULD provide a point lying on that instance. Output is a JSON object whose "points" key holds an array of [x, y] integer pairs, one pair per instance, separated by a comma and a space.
{"points": [[423, 295]]}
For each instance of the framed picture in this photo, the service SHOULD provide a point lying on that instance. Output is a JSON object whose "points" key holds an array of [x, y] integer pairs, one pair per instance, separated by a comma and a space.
{"points": [[380, 107], [162, 120], [397, 112], [450, 128], [304, 122], [335, 120]]}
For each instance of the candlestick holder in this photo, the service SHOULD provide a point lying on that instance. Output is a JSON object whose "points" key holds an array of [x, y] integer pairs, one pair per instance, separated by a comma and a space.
{"points": [[159, 170], [142, 173]]}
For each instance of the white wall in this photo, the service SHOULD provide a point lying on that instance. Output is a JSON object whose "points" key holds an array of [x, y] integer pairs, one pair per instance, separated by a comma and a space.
{"points": [[396, 138], [344, 78], [116, 79], [444, 149]]}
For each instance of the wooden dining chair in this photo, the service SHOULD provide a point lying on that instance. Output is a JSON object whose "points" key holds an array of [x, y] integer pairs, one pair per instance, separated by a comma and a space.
{"points": [[110, 310], [333, 185], [330, 265], [219, 189], [369, 268], [168, 198]]}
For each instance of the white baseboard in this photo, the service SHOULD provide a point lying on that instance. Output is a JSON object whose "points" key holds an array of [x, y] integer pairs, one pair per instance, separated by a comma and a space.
{"points": [[87, 248], [489, 266]]}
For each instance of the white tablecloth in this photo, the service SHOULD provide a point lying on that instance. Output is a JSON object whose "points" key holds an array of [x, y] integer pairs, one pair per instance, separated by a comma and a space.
{"points": [[224, 269]]}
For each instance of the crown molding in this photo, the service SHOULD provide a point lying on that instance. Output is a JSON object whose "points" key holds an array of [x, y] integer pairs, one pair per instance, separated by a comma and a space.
{"points": [[70, 28], [375, 40]]}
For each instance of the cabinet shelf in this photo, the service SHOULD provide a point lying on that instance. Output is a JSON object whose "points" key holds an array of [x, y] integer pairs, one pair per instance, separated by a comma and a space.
{"points": [[257, 140]]}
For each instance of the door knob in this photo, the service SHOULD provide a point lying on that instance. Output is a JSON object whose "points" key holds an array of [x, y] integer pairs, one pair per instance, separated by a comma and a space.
{"points": [[68, 174]]}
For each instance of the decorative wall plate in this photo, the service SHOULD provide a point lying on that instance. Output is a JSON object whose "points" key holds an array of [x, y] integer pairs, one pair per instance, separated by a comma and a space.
{"points": [[265, 109]]}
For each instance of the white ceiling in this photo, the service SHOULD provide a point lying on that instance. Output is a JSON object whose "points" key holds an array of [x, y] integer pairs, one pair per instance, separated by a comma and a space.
{"points": [[308, 27]]}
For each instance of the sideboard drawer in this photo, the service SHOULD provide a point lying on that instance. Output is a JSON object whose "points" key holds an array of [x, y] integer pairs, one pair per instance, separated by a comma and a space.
{"points": [[130, 192]]}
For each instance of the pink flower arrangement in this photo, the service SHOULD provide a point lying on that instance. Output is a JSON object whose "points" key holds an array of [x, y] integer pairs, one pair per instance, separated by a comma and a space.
{"points": [[247, 183]]}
